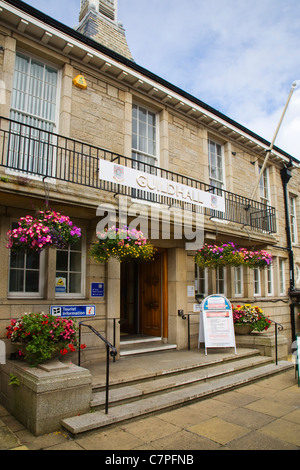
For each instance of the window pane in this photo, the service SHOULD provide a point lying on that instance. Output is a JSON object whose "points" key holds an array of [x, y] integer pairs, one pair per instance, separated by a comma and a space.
{"points": [[16, 280], [75, 261], [32, 260], [32, 281], [62, 260], [17, 260], [75, 283]]}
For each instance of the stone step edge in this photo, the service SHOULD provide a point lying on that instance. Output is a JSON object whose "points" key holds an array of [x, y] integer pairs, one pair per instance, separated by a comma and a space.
{"points": [[210, 362], [91, 421], [186, 378], [149, 339], [147, 349]]}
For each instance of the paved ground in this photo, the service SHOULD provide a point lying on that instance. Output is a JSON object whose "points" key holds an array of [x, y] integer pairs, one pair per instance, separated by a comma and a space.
{"points": [[261, 416]]}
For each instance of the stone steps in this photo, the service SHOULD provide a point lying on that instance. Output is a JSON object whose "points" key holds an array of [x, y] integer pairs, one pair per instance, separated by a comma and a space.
{"points": [[144, 345], [132, 398]]}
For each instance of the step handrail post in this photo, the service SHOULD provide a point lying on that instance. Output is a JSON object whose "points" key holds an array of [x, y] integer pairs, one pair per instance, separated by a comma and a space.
{"points": [[110, 351]]}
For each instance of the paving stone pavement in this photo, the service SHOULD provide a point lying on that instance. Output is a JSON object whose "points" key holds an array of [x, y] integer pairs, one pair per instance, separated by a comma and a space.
{"points": [[260, 416]]}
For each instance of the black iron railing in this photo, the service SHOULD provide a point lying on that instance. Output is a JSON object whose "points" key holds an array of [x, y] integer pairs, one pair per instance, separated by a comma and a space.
{"points": [[110, 351], [32, 151], [278, 327]]}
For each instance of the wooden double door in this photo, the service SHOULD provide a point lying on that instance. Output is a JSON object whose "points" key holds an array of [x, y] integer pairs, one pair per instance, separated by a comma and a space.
{"points": [[144, 297]]}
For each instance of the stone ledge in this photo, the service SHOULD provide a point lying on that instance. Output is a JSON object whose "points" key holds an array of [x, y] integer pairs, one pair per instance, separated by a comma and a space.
{"points": [[265, 343]]}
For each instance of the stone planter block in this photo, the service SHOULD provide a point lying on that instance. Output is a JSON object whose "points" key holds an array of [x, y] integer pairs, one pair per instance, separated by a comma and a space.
{"points": [[265, 343], [46, 394]]}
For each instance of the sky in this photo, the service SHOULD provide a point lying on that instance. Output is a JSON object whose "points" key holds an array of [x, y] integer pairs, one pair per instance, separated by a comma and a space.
{"points": [[241, 57]]}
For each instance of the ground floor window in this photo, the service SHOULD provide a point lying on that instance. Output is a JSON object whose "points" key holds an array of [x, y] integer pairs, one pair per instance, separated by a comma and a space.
{"points": [[70, 270], [25, 274], [238, 281], [256, 281], [220, 280], [282, 277], [200, 281]]}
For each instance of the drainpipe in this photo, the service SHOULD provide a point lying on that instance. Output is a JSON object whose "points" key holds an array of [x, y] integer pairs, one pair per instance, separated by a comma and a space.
{"points": [[286, 175]]}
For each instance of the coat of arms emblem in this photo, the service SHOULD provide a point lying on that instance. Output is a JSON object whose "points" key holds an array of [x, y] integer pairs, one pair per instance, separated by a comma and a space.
{"points": [[118, 173]]}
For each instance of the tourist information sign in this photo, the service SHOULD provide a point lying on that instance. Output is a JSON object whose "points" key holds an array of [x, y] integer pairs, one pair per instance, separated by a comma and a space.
{"points": [[216, 328]]}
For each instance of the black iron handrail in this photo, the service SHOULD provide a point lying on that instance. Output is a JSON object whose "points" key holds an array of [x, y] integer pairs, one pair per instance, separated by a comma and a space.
{"points": [[110, 351], [30, 150], [278, 327]]}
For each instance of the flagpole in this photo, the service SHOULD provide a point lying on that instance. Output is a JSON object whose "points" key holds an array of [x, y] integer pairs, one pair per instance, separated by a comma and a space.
{"points": [[294, 85]]}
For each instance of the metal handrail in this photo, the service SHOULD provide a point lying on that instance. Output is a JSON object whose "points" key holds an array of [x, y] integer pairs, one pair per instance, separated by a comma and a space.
{"points": [[278, 327], [110, 351], [30, 150]]}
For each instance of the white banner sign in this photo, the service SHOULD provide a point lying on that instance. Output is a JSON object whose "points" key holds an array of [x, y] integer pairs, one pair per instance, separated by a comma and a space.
{"points": [[153, 184]]}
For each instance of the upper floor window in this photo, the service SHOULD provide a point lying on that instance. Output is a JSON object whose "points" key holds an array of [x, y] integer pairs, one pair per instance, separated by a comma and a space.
{"points": [[293, 219], [144, 137], [264, 186], [215, 162], [34, 104]]}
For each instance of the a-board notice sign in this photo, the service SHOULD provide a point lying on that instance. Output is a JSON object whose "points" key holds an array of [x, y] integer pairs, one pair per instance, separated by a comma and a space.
{"points": [[216, 328]]}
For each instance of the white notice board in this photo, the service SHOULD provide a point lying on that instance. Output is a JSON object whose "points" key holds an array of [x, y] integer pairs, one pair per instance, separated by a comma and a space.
{"points": [[216, 328]]}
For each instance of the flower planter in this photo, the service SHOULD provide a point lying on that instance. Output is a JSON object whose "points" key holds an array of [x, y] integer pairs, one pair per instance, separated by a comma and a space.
{"points": [[213, 256], [122, 244], [40, 337], [242, 329], [48, 228]]}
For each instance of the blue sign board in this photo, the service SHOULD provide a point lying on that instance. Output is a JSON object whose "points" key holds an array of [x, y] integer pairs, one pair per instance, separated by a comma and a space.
{"points": [[97, 289], [73, 310]]}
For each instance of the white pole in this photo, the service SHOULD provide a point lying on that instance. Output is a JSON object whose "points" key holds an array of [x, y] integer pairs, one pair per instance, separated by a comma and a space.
{"points": [[294, 85]]}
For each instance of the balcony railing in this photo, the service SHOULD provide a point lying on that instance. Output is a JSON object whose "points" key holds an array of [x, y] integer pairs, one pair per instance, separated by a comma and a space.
{"points": [[32, 151]]}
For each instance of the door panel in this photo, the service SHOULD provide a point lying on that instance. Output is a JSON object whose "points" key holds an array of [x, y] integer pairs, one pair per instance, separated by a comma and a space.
{"points": [[150, 297]]}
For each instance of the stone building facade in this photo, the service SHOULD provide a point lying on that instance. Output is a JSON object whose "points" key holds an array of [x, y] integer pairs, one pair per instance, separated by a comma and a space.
{"points": [[129, 115]]}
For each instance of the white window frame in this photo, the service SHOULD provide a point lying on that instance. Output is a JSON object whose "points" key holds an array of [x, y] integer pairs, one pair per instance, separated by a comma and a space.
{"points": [[264, 186], [216, 182], [26, 115], [238, 273], [281, 268], [81, 294], [270, 280], [218, 280], [42, 279], [293, 218], [200, 277], [136, 149], [256, 282]]}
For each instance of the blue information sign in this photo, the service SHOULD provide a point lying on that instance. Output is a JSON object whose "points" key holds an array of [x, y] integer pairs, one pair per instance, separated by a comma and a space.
{"points": [[73, 310], [97, 289]]}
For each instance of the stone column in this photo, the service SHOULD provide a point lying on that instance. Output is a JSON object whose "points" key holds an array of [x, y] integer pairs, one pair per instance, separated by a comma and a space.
{"points": [[177, 289], [113, 300]]}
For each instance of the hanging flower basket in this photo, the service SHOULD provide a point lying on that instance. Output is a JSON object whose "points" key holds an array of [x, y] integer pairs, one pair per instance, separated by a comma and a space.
{"points": [[213, 256], [48, 228], [123, 244], [39, 337], [249, 316]]}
